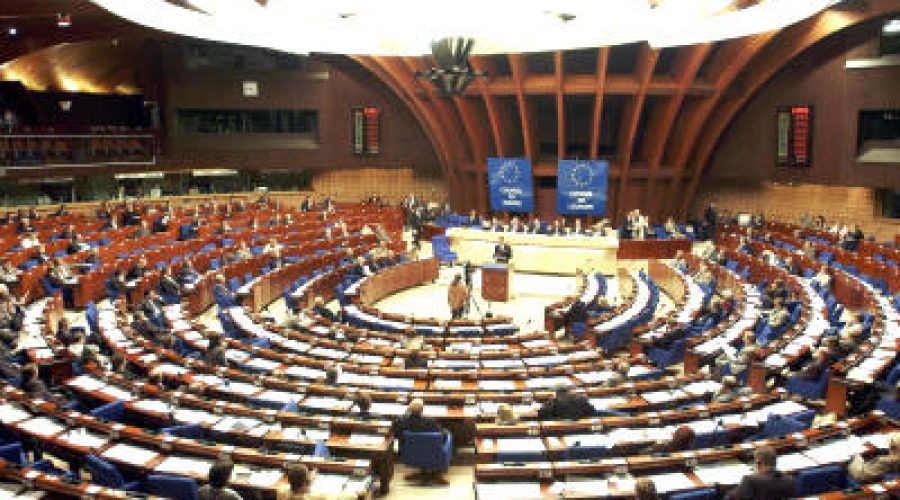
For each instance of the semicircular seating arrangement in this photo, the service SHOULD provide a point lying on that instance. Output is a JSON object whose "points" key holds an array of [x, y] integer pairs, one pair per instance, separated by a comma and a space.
{"points": [[741, 357]]}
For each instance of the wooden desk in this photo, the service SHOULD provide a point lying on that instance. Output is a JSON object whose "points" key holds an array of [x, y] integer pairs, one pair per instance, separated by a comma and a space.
{"points": [[495, 282]]}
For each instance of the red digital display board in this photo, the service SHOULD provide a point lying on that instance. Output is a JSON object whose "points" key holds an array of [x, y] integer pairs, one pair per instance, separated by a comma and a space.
{"points": [[794, 136], [366, 135]]}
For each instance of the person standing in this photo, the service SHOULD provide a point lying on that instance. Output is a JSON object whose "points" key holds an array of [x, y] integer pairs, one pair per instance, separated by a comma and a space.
{"points": [[502, 252], [457, 297]]}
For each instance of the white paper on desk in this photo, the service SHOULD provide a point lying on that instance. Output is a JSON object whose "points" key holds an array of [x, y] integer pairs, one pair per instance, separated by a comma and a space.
{"points": [[325, 403], [189, 416], [548, 382], [236, 424], [257, 476], [152, 405], [587, 440], [129, 454], [208, 380], [304, 372], [508, 491], [435, 411], [117, 393], [606, 403], [10, 414], [82, 437], [793, 462], [86, 382], [836, 451], [367, 359], [169, 369], [497, 385], [388, 409], [328, 353], [729, 472], [520, 444], [445, 384], [657, 397], [502, 364], [673, 481], [185, 465], [595, 488], [703, 387], [278, 396], [262, 364], [328, 484], [42, 426], [241, 388], [366, 439], [881, 441]]}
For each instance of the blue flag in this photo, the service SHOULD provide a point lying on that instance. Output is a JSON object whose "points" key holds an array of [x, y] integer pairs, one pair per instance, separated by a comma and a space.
{"points": [[581, 187], [510, 184]]}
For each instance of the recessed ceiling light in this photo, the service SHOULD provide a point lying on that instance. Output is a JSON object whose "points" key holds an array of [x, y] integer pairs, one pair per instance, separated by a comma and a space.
{"points": [[12, 31]]}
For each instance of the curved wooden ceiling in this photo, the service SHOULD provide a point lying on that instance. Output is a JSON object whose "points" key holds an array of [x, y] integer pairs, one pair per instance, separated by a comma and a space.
{"points": [[656, 114], [664, 113]]}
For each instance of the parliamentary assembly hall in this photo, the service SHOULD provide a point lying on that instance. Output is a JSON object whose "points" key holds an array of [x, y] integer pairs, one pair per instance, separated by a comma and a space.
{"points": [[492, 250]]}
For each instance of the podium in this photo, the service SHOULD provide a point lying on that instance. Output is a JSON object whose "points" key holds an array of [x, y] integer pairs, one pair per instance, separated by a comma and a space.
{"points": [[495, 282]]}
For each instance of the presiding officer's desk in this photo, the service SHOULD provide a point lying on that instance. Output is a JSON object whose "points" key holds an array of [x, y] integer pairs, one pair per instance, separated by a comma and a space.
{"points": [[538, 252]]}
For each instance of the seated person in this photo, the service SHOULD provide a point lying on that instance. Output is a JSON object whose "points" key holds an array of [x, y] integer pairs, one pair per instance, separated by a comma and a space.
{"points": [[138, 270], [730, 390], [223, 293], [11, 317], [875, 469], [117, 282], [168, 285], [672, 229], [215, 352], [29, 240], [93, 260], [9, 273], [416, 360], [414, 420], [681, 441], [152, 306], [741, 360], [146, 328], [299, 479], [566, 406], [823, 277], [219, 477], [60, 275], [767, 483], [68, 233], [321, 309], [362, 403], [187, 275], [242, 252], [506, 415]]}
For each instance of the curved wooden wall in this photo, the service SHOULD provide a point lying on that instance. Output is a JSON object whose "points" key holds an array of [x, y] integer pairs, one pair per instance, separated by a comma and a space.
{"points": [[692, 104]]}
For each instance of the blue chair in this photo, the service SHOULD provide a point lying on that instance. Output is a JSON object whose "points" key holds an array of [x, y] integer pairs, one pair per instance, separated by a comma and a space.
{"points": [[113, 411], [182, 488], [666, 357], [430, 451], [106, 474], [187, 431], [815, 480], [698, 494], [15, 453], [890, 406], [321, 450], [809, 389], [578, 329], [234, 284], [578, 452]]}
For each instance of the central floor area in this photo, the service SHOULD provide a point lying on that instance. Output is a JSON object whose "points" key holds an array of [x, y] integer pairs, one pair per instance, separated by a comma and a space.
{"points": [[530, 294]]}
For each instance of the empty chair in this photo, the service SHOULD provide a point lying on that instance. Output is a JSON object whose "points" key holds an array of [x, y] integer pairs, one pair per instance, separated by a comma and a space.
{"points": [[106, 474], [113, 411], [182, 488], [810, 389], [189, 431], [815, 480]]}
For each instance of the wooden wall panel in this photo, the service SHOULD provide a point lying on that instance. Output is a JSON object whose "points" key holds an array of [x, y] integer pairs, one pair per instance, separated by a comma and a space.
{"points": [[391, 183]]}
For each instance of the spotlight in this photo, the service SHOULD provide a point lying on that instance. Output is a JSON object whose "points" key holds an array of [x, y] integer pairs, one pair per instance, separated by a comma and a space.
{"points": [[63, 20], [12, 31]]}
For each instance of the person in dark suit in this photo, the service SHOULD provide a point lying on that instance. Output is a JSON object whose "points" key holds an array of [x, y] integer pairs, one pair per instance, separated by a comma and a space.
{"points": [[68, 233], [145, 328], [566, 405], [215, 352], [767, 483], [414, 420], [320, 309], [152, 306], [502, 251], [168, 285], [138, 270], [222, 293], [474, 219], [710, 218]]}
